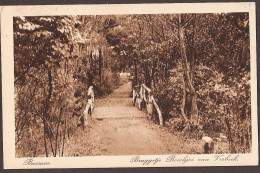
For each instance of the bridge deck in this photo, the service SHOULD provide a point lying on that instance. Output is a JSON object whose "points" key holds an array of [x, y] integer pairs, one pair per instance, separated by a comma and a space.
{"points": [[117, 105]]}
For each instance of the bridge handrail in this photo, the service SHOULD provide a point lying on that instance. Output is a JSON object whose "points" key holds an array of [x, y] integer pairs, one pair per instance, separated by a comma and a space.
{"points": [[149, 99], [90, 104]]}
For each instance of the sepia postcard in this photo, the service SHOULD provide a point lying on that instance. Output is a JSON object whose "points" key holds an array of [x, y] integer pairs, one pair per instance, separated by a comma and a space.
{"points": [[129, 85]]}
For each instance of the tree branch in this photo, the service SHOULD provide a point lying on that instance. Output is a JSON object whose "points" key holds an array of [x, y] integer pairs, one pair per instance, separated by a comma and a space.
{"points": [[187, 22]]}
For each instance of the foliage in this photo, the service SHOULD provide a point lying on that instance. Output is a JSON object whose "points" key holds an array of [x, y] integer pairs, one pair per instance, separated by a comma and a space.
{"points": [[55, 62], [197, 66], [219, 44]]}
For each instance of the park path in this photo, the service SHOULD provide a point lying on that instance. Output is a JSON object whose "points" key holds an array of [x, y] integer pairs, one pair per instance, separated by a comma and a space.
{"points": [[119, 128], [124, 127]]}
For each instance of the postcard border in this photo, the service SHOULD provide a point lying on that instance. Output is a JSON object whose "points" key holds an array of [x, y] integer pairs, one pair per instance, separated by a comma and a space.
{"points": [[8, 76]]}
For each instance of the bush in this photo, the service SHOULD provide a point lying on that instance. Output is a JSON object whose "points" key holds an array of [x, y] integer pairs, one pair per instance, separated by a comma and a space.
{"points": [[169, 94], [223, 103]]}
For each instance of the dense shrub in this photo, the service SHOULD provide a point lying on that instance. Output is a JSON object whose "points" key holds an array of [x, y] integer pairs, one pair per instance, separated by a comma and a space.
{"points": [[224, 105], [169, 94]]}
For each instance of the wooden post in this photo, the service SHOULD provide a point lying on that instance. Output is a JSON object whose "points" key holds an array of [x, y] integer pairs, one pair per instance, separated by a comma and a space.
{"points": [[144, 87], [158, 111], [90, 105]]}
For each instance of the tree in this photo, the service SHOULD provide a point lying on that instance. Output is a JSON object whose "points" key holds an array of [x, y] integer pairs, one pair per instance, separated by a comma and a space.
{"points": [[41, 50], [188, 78]]}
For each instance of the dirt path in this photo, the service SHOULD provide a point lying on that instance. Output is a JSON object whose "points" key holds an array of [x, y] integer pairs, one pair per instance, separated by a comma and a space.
{"points": [[117, 105], [118, 128]]}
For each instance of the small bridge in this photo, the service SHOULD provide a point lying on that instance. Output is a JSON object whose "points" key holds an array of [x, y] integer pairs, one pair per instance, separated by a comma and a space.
{"points": [[119, 104], [119, 125]]}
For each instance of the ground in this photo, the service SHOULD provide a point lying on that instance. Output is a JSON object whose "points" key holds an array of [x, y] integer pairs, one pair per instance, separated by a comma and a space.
{"points": [[119, 128]]}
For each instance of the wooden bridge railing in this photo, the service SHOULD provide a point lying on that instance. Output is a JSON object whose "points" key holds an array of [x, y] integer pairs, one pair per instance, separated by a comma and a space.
{"points": [[142, 95], [90, 105]]}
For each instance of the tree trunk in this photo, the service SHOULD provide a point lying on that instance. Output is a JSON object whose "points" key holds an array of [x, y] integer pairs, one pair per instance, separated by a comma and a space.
{"points": [[183, 100], [153, 80], [194, 109], [57, 133], [48, 106], [50, 137], [50, 85], [91, 60], [147, 77], [153, 85], [44, 137], [45, 113], [64, 135], [166, 70], [193, 53], [100, 68], [136, 77], [71, 49]]}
